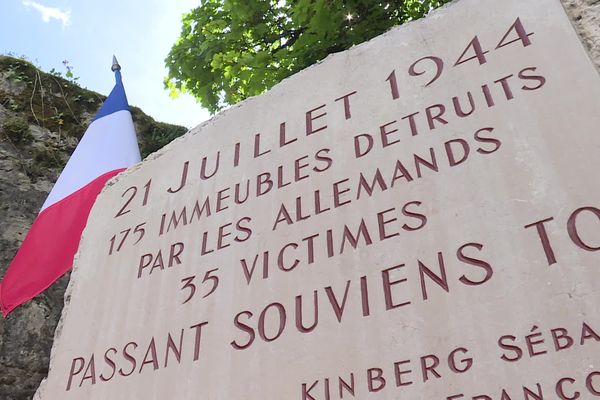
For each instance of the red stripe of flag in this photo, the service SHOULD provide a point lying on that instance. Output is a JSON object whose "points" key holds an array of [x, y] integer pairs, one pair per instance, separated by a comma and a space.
{"points": [[50, 245]]}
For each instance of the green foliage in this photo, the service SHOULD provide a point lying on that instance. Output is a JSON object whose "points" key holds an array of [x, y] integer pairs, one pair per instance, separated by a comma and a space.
{"points": [[18, 73], [41, 162], [69, 74], [153, 135], [159, 135], [58, 119], [8, 102], [47, 157], [88, 99], [16, 130], [233, 49]]}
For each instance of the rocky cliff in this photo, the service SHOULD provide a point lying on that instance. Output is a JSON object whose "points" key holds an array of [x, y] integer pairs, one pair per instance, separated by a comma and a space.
{"points": [[42, 118]]}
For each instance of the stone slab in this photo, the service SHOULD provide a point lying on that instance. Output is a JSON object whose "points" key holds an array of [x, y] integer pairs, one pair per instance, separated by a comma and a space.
{"points": [[432, 195]]}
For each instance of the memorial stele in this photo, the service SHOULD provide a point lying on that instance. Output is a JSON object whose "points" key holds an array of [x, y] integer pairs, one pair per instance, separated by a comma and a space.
{"points": [[415, 218]]}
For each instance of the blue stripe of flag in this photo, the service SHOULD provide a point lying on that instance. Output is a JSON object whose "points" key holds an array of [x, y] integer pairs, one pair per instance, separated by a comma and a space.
{"points": [[116, 100]]}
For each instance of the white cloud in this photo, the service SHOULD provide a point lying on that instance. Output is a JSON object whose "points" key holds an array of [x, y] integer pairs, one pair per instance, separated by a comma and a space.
{"points": [[49, 13]]}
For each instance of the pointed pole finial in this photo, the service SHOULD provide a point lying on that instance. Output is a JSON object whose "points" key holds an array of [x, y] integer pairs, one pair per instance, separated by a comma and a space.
{"points": [[115, 65]]}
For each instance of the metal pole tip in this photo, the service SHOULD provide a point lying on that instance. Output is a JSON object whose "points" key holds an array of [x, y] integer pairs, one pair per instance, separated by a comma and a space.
{"points": [[115, 65]]}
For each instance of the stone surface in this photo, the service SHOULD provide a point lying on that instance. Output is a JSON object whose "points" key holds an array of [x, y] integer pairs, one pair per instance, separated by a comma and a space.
{"points": [[416, 246], [26, 335]]}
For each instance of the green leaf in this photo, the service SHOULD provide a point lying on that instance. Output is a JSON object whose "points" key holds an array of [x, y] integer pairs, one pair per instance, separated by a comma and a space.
{"points": [[229, 50]]}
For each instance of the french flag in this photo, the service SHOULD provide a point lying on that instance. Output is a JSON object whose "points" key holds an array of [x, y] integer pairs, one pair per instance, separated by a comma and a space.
{"points": [[108, 147]]}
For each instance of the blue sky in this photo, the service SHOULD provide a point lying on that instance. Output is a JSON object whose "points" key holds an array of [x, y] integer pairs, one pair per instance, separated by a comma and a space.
{"points": [[88, 32]]}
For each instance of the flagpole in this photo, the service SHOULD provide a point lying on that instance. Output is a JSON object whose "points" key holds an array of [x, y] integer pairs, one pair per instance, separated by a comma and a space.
{"points": [[116, 68]]}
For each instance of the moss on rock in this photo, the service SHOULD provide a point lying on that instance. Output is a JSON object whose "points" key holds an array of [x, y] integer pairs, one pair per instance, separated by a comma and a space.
{"points": [[16, 129]]}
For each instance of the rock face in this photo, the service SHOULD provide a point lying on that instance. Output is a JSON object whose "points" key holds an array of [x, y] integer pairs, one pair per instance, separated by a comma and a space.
{"points": [[585, 15], [30, 160], [42, 117]]}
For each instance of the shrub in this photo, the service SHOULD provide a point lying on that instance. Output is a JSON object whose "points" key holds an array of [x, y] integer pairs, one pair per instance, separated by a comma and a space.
{"points": [[17, 131], [159, 135], [48, 157]]}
